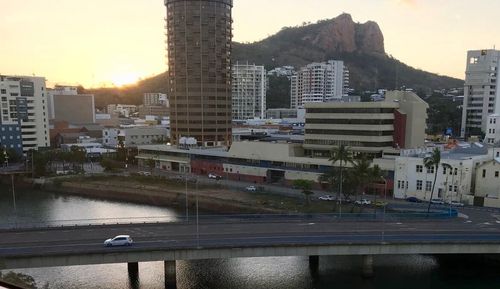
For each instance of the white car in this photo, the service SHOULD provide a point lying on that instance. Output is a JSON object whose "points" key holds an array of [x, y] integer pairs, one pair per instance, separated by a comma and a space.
{"points": [[456, 204], [363, 202], [251, 188], [214, 176], [146, 174], [327, 198], [121, 240]]}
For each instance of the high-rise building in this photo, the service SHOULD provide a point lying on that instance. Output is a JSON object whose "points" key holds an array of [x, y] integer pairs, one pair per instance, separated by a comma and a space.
{"points": [[249, 91], [24, 121], [199, 35], [482, 96], [319, 82]]}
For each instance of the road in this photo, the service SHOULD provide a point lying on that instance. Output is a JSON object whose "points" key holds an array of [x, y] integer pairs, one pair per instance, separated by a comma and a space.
{"points": [[225, 233]]}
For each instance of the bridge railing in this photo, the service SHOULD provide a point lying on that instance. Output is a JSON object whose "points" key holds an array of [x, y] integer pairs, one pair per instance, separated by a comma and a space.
{"points": [[379, 216]]}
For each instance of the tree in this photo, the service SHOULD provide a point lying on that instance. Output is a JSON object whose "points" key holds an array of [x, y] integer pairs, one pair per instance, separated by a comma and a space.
{"points": [[305, 186], [341, 155], [433, 161], [361, 173]]}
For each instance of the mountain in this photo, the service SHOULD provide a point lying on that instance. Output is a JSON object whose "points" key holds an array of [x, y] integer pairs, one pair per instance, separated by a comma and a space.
{"points": [[361, 46]]}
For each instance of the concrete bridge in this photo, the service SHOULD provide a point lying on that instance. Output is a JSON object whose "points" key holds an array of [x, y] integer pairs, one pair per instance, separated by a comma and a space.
{"points": [[220, 239]]}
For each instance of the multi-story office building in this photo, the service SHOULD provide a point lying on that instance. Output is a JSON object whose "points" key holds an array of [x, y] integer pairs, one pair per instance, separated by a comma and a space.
{"points": [[249, 91], [199, 37], [482, 96], [319, 82], [65, 104], [24, 121], [366, 127], [155, 99], [493, 130]]}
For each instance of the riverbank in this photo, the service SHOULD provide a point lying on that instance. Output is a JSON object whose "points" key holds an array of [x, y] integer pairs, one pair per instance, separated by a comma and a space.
{"points": [[170, 193]]}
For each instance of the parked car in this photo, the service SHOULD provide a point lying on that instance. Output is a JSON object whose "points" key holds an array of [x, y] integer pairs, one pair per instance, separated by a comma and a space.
{"points": [[414, 200], [456, 204], [437, 201], [214, 176], [146, 174], [121, 240], [327, 198], [251, 189], [363, 202], [380, 203]]}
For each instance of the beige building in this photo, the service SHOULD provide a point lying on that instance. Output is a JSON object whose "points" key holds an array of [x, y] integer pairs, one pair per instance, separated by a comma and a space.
{"points": [[366, 127], [488, 180]]}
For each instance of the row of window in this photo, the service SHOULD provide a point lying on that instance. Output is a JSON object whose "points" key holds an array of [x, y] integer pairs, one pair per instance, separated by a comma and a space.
{"points": [[420, 169], [497, 174], [420, 186]]}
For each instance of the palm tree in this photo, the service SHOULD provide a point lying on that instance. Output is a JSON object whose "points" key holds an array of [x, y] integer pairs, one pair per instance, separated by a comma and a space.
{"points": [[342, 155], [433, 161], [361, 172]]}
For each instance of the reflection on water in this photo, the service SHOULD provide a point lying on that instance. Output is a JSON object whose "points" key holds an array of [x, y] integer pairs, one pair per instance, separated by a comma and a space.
{"points": [[391, 272]]}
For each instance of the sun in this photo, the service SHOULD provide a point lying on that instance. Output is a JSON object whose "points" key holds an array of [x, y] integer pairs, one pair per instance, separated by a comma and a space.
{"points": [[125, 79]]}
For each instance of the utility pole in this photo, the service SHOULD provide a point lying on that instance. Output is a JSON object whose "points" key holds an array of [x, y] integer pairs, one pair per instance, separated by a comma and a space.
{"points": [[14, 199]]}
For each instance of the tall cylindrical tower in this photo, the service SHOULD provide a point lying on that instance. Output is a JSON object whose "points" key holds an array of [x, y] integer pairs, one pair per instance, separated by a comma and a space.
{"points": [[199, 34]]}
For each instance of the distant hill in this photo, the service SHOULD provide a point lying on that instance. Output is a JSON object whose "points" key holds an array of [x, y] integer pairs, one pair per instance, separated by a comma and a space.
{"points": [[361, 46]]}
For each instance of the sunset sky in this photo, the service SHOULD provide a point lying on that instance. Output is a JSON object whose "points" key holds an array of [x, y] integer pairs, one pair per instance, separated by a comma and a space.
{"points": [[105, 42]]}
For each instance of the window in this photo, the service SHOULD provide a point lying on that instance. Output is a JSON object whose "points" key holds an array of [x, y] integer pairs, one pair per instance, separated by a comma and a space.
{"points": [[497, 174], [399, 184], [474, 60], [428, 186], [455, 172], [419, 185], [420, 168], [430, 170], [444, 170], [450, 188], [455, 189], [484, 174]]}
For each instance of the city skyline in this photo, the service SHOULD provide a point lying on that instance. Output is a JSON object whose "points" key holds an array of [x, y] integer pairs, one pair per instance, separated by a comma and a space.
{"points": [[70, 43]]}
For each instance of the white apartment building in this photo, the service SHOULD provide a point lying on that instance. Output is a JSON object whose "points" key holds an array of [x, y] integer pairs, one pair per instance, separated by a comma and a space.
{"points": [[482, 96], [24, 117], [413, 179], [319, 82], [155, 99], [248, 91], [134, 136], [125, 110], [493, 130]]}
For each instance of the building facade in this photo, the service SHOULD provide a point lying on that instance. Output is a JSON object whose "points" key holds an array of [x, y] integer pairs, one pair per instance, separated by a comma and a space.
{"points": [[199, 35], [366, 127], [155, 99], [249, 91], [493, 130], [65, 104], [24, 117], [488, 182], [134, 136], [482, 96], [319, 82]]}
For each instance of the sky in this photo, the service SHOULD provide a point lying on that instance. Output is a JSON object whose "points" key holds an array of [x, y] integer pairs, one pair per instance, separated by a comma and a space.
{"points": [[114, 42]]}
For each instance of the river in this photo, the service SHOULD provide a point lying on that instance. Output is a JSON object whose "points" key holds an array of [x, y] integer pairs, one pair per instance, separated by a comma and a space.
{"points": [[391, 272]]}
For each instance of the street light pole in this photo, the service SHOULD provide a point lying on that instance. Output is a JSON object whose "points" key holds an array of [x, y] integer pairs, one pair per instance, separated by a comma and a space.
{"points": [[197, 219], [186, 190]]}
